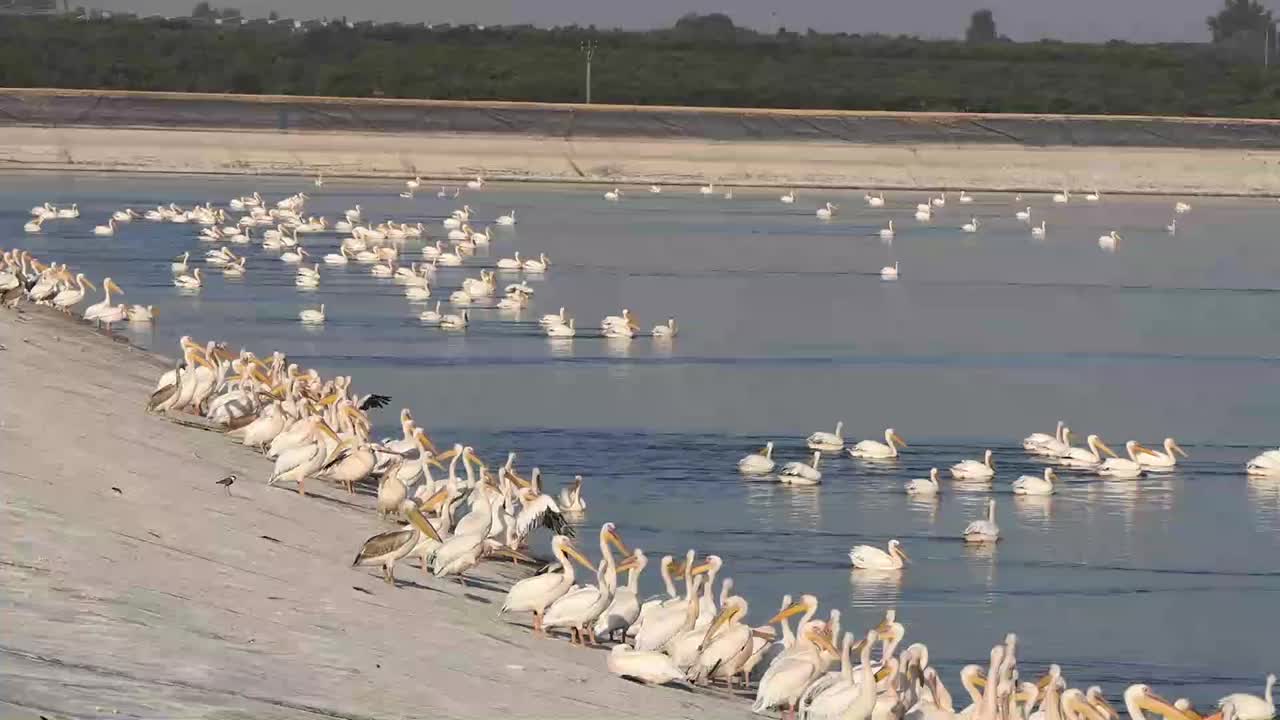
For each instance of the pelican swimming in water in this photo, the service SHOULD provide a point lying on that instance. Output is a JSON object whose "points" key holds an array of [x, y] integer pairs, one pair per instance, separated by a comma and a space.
{"points": [[1124, 467], [1252, 707], [798, 473], [789, 198], [192, 281], [1156, 460], [890, 272], [971, 226], [1044, 444], [1140, 697], [869, 557], [1181, 207], [973, 469], [876, 450], [985, 530], [924, 486], [887, 233], [760, 463], [312, 316], [1266, 463], [827, 211], [1088, 457], [827, 441], [570, 500], [665, 331], [1032, 485], [1024, 215], [1109, 241]]}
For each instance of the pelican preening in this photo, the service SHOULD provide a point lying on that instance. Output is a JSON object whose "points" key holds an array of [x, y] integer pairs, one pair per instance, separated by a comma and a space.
{"points": [[985, 530], [798, 473], [827, 441], [760, 463]]}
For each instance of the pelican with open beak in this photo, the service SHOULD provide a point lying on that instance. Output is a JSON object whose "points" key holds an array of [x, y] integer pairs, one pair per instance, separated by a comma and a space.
{"points": [[387, 548], [876, 450]]}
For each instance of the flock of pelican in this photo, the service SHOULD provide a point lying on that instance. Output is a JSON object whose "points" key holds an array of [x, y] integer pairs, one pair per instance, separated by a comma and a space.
{"points": [[317, 428], [1095, 456], [378, 245]]}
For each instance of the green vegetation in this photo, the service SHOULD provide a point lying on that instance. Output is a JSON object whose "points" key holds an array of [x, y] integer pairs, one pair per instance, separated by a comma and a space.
{"points": [[702, 60]]}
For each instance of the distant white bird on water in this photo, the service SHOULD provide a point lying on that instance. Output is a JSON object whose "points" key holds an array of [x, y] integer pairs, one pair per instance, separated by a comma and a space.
{"points": [[924, 486], [869, 557], [986, 530], [889, 272], [826, 211], [1110, 241]]}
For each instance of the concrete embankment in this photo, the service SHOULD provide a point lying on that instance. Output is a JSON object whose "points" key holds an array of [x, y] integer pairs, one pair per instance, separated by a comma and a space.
{"points": [[133, 586], [189, 133]]}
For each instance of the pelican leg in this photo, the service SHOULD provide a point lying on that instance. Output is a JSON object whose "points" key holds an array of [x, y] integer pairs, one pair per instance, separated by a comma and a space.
{"points": [[537, 622]]}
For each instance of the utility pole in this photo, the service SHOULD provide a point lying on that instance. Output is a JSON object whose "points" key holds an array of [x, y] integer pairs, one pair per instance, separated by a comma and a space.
{"points": [[588, 49]]}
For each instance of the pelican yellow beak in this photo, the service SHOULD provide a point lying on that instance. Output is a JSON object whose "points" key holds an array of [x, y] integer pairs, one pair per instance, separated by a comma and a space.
{"points": [[628, 564], [616, 540], [1044, 681], [898, 439], [1103, 447], [903, 553], [425, 441], [1139, 447], [338, 451], [793, 609], [824, 642], [421, 523], [1110, 711], [519, 481], [329, 399], [700, 569], [980, 681], [476, 459], [724, 617], [89, 282], [1155, 703], [883, 673], [328, 431], [1178, 449], [435, 501], [112, 284], [446, 455], [437, 463], [574, 553]]}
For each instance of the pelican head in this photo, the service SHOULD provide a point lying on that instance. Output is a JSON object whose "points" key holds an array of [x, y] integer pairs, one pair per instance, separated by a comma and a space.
{"points": [[768, 450], [1171, 446], [891, 436], [986, 459], [807, 603], [895, 547], [609, 533], [734, 607]]}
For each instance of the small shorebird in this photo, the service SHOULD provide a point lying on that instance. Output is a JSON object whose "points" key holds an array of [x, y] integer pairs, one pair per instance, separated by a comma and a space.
{"points": [[226, 482]]}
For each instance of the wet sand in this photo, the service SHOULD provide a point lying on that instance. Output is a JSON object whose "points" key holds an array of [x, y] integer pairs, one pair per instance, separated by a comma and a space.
{"points": [[620, 160], [133, 586]]}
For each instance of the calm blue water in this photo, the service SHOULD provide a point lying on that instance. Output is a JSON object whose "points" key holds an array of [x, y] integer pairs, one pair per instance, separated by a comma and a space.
{"points": [[785, 327]]}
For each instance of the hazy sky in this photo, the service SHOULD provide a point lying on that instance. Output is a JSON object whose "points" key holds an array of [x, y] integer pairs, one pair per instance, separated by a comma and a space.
{"points": [[1138, 20]]}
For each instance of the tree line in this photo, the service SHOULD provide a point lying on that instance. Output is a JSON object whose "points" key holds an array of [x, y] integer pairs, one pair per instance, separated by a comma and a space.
{"points": [[701, 60]]}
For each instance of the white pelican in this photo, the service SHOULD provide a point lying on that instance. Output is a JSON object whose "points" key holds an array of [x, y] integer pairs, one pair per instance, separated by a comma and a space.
{"points": [[1041, 444], [971, 226], [1172, 227], [619, 331], [108, 229], [789, 197], [828, 441], [431, 316], [1124, 467], [663, 623], [1156, 460], [1264, 464], [389, 547], [940, 201], [312, 316], [613, 195], [826, 211], [875, 201], [624, 609], [924, 214], [93, 311], [1062, 197], [1181, 207], [1252, 707], [1109, 241], [413, 184], [868, 557], [1094, 196], [1039, 231], [511, 263], [1023, 214], [1032, 485], [296, 463], [844, 696], [726, 646], [562, 331], [1088, 457], [889, 272], [113, 314], [666, 330], [535, 594], [965, 198], [798, 473], [73, 295], [539, 265], [647, 666], [475, 184], [786, 679], [922, 486], [342, 257], [876, 450], [455, 322], [760, 463], [509, 219], [34, 226], [552, 319], [974, 470], [419, 291], [293, 256], [179, 264], [236, 268], [142, 313], [707, 189], [579, 608], [623, 319], [1140, 697], [887, 231], [986, 530]]}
